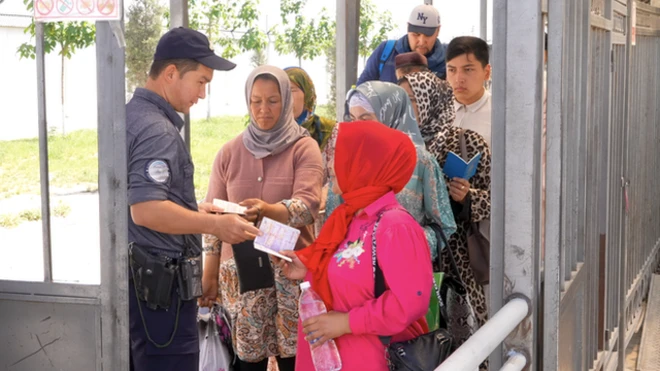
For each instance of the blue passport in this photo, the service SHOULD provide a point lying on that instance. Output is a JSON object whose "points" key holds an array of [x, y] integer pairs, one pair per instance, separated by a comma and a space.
{"points": [[456, 167]]}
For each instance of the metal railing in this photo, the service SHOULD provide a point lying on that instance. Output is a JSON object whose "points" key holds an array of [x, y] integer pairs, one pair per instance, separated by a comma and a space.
{"points": [[480, 345]]}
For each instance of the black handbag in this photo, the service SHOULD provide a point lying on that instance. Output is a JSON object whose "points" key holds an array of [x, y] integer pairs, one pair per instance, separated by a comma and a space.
{"points": [[252, 267], [423, 353]]}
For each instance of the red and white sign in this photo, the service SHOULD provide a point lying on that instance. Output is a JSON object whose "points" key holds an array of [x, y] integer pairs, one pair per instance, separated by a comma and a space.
{"points": [[77, 10]]}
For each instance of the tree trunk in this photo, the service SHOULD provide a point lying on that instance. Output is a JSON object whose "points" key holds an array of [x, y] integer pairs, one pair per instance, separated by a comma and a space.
{"points": [[62, 92], [300, 62], [208, 102]]}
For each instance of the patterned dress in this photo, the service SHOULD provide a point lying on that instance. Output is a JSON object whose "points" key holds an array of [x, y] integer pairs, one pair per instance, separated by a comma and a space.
{"points": [[265, 321], [441, 138]]}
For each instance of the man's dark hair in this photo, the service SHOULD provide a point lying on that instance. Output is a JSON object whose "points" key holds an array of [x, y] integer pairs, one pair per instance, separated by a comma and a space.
{"points": [[182, 65], [410, 69], [468, 45]]}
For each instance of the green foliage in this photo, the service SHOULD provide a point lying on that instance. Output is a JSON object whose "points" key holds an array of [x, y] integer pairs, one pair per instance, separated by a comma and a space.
{"points": [[62, 209], [9, 220], [374, 28], [231, 24], [31, 215], [143, 30], [68, 36], [305, 38]]}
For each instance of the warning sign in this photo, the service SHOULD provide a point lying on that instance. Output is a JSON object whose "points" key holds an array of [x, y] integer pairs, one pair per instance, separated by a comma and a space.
{"points": [[77, 10]]}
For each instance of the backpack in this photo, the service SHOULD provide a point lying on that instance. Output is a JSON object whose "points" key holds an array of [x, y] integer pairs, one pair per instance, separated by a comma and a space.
{"points": [[385, 55]]}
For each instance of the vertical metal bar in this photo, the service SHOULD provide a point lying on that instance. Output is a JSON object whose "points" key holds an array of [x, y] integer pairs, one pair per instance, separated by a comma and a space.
{"points": [[498, 179], [519, 150], [553, 186], [483, 19], [605, 159], [113, 198], [179, 18], [621, 350], [43, 153], [348, 24]]}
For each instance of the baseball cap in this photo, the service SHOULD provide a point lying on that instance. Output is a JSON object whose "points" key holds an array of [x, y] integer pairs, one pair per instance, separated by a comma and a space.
{"points": [[424, 19], [185, 43]]}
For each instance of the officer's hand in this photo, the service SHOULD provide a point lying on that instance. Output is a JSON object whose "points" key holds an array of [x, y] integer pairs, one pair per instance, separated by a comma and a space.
{"points": [[233, 229], [210, 291], [209, 208]]}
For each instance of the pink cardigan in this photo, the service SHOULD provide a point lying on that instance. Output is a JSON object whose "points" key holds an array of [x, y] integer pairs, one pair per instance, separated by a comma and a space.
{"points": [[296, 173]]}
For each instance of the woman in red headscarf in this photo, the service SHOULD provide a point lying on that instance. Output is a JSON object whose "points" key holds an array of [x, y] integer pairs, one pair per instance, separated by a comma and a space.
{"points": [[371, 163]]}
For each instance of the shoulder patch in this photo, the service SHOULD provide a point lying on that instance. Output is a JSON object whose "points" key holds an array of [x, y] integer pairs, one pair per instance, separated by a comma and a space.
{"points": [[157, 171]]}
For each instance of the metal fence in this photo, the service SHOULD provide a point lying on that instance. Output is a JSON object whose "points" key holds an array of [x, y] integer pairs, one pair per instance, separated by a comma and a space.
{"points": [[602, 227]]}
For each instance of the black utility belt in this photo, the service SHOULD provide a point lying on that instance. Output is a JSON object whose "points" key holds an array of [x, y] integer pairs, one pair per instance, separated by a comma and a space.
{"points": [[154, 276]]}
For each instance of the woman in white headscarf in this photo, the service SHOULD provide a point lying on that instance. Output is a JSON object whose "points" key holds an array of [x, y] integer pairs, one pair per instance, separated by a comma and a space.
{"points": [[275, 169]]}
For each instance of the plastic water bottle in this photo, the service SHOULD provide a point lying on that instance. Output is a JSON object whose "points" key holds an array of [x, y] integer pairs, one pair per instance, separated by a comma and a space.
{"points": [[326, 357]]}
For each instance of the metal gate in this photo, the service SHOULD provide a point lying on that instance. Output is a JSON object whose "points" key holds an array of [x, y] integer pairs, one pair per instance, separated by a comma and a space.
{"points": [[57, 326], [602, 228]]}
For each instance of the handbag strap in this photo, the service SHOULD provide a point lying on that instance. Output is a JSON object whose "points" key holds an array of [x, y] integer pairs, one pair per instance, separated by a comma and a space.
{"points": [[379, 278], [461, 142], [450, 254]]}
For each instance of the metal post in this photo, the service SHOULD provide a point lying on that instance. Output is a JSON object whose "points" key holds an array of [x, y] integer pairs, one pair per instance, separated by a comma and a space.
{"points": [[552, 260], [112, 196], [623, 261], [515, 189], [348, 23], [179, 18], [483, 20], [43, 153]]}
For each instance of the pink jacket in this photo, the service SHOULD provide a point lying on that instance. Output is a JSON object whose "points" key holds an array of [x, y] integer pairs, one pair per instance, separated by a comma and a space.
{"points": [[404, 258]]}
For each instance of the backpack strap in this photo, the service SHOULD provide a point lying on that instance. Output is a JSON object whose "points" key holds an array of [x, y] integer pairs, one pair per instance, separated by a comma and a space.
{"points": [[385, 55]]}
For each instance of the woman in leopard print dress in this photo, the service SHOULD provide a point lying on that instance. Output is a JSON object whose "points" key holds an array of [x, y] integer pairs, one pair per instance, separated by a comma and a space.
{"points": [[434, 100]]}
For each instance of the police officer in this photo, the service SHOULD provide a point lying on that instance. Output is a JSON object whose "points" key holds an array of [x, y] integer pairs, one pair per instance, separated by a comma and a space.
{"points": [[165, 221]]}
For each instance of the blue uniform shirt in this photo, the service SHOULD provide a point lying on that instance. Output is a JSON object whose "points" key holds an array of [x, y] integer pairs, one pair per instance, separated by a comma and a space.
{"points": [[159, 167]]}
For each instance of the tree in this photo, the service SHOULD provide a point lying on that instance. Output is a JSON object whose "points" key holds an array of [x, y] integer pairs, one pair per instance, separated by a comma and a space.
{"points": [[67, 36], [143, 31], [305, 38], [259, 58], [231, 24], [374, 28], [373, 31]]}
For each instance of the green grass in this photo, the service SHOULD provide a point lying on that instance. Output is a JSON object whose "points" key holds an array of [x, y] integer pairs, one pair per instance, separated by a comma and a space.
{"points": [[73, 158], [207, 137]]}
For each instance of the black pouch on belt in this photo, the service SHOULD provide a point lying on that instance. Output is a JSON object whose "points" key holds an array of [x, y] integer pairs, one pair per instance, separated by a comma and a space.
{"points": [[153, 277], [190, 277]]}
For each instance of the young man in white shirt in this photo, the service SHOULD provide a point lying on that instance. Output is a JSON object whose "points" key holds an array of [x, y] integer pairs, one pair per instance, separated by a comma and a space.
{"points": [[468, 69]]}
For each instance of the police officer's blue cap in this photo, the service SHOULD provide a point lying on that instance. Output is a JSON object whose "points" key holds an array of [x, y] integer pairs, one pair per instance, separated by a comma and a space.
{"points": [[184, 43]]}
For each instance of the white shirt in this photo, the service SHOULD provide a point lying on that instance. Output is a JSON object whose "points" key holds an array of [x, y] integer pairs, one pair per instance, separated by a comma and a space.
{"points": [[475, 116]]}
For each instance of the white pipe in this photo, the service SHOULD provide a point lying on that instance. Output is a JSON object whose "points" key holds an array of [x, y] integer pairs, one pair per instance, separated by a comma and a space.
{"points": [[483, 342], [516, 362]]}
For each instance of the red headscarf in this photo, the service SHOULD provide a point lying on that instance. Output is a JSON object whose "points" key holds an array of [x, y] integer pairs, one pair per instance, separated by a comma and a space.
{"points": [[370, 161]]}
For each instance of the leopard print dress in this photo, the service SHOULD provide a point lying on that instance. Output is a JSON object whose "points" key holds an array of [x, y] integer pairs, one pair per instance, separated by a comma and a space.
{"points": [[434, 100]]}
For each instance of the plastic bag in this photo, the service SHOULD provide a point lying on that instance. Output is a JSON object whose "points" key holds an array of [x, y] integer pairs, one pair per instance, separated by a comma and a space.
{"points": [[214, 353]]}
